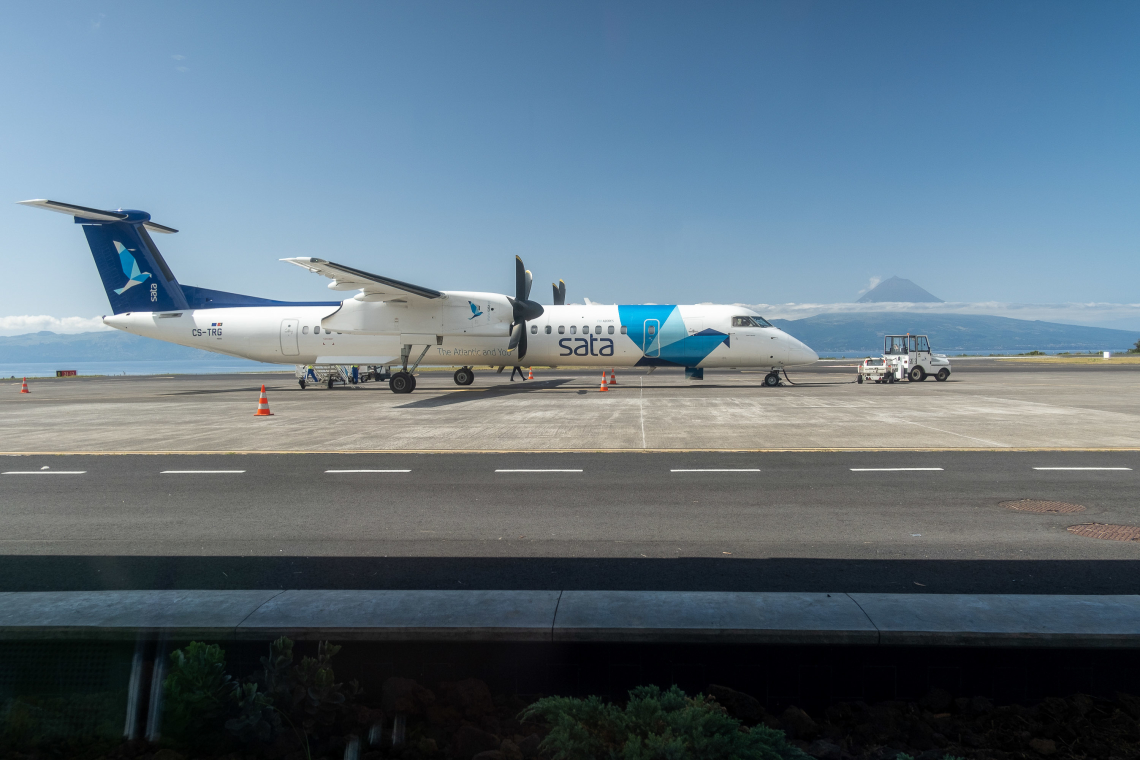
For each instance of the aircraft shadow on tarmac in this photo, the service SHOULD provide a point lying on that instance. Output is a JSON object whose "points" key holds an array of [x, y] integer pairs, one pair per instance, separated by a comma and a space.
{"points": [[482, 394], [801, 574], [213, 391]]}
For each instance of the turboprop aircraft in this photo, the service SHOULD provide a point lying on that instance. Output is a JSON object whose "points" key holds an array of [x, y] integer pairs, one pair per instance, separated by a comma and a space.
{"points": [[391, 322]]}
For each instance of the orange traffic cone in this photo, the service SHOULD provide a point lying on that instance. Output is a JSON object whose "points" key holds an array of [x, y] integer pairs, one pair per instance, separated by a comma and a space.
{"points": [[530, 374], [24, 386], [613, 377], [263, 406], [603, 389]]}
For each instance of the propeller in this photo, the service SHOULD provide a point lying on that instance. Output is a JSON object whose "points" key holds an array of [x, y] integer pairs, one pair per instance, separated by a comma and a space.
{"points": [[559, 293], [524, 308]]}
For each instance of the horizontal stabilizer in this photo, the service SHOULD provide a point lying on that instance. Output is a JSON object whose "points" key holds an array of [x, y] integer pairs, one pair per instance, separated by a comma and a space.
{"points": [[347, 278], [94, 214]]}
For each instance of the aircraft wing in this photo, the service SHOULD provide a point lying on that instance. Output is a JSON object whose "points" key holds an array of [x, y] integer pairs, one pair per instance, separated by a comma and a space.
{"points": [[376, 287]]}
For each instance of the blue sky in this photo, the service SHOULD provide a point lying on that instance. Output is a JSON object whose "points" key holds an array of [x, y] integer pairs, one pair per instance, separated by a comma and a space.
{"points": [[730, 152]]}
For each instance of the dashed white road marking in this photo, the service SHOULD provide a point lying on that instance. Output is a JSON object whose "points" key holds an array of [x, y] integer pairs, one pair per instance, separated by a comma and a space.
{"points": [[1129, 469], [726, 469], [346, 471], [201, 472], [46, 472], [537, 470], [896, 469]]}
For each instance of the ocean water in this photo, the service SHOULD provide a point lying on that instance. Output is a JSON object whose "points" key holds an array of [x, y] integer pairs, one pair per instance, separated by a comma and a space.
{"points": [[168, 367]]}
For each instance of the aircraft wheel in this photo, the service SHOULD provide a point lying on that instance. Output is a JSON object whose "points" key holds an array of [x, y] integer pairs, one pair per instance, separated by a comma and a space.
{"points": [[401, 382], [771, 380], [301, 382], [413, 379], [918, 374], [464, 376], [942, 375]]}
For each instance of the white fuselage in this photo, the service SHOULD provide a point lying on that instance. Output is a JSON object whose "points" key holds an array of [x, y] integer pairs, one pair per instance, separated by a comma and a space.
{"points": [[373, 333]]}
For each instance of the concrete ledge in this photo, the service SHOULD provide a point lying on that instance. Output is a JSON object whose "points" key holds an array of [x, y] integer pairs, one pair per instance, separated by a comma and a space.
{"points": [[1003, 620], [940, 620], [126, 614], [727, 617], [405, 615]]}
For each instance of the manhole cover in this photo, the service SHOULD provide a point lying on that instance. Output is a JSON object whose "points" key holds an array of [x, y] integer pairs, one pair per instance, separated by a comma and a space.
{"points": [[1107, 532], [1044, 507]]}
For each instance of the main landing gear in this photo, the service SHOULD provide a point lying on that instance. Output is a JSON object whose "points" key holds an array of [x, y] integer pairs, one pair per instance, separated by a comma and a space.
{"points": [[402, 382], [464, 376], [772, 379]]}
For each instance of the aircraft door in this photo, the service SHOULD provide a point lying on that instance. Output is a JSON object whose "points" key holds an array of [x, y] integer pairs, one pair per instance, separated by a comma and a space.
{"points": [[650, 343], [289, 337]]}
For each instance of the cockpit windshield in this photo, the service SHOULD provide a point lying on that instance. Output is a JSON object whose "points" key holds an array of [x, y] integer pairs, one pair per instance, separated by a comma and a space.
{"points": [[750, 322]]}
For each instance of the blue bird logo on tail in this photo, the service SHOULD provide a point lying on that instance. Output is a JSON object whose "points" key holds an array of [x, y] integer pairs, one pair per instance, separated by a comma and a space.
{"points": [[130, 268], [474, 310]]}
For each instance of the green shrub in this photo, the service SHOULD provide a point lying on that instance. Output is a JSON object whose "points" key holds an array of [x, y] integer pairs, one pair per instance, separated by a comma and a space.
{"points": [[307, 693], [199, 692], [655, 725], [202, 699]]}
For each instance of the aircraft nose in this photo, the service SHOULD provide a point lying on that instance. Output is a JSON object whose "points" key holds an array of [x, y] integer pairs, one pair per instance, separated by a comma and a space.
{"points": [[801, 354]]}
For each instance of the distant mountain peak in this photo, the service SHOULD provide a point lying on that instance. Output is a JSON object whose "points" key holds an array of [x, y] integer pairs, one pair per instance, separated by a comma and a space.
{"points": [[898, 289]]}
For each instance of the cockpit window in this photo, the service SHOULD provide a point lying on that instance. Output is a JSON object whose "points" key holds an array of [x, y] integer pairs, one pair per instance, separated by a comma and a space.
{"points": [[750, 322]]}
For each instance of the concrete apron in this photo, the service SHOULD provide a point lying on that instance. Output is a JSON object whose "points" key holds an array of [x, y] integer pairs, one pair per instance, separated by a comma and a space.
{"points": [[939, 620]]}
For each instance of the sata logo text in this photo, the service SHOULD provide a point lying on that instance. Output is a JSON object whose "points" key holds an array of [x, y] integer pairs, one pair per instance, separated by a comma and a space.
{"points": [[585, 347]]}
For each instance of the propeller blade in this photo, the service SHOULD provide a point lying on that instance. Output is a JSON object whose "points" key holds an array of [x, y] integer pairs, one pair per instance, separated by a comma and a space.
{"points": [[516, 336], [561, 299], [520, 279], [522, 344], [529, 281]]}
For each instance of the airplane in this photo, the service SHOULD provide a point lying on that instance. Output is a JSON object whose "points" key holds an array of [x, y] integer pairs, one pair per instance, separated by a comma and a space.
{"points": [[390, 322]]}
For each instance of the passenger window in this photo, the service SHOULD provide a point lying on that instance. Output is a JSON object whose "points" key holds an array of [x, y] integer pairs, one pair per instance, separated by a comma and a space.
{"points": [[585, 329], [317, 330], [598, 330], [534, 329], [624, 330], [305, 330], [561, 329], [573, 329], [548, 329], [610, 330], [652, 329]]}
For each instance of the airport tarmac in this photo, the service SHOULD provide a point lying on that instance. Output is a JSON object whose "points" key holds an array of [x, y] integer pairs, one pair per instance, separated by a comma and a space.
{"points": [[986, 404], [803, 521], [662, 483]]}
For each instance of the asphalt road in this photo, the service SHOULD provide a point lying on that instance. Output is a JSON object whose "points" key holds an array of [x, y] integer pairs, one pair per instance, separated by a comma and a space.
{"points": [[808, 521]]}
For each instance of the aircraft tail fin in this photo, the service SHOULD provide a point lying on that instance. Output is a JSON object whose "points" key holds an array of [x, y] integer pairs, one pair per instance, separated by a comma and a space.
{"points": [[134, 274]]}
